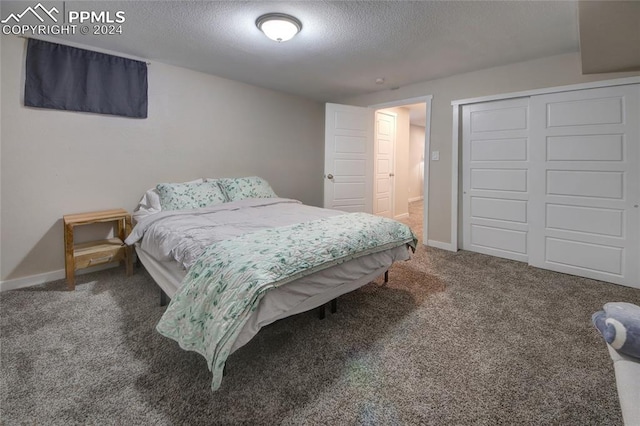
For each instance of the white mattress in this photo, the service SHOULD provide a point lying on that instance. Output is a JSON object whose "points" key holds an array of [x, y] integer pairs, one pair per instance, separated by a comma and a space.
{"points": [[298, 296]]}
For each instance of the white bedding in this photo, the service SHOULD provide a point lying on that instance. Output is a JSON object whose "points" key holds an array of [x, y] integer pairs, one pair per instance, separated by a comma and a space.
{"points": [[296, 297], [182, 235], [164, 238]]}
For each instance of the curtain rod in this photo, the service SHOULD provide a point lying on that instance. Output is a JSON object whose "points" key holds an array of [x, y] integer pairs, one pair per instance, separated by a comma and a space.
{"points": [[133, 59]]}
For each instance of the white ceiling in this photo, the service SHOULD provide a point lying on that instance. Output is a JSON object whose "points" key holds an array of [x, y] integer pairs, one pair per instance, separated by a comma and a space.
{"points": [[343, 46]]}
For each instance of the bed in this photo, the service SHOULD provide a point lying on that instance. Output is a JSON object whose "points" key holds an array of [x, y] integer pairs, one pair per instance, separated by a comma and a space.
{"points": [[234, 257]]}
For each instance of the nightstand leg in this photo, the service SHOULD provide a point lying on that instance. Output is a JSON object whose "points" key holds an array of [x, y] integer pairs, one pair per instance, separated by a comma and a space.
{"points": [[128, 259], [128, 256], [69, 264]]}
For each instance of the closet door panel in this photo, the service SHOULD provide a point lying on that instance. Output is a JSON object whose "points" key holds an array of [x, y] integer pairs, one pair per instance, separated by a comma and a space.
{"points": [[585, 188], [495, 178]]}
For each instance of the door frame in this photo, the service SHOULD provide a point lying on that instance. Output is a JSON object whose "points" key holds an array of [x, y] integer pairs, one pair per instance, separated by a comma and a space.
{"points": [[456, 140], [427, 100]]}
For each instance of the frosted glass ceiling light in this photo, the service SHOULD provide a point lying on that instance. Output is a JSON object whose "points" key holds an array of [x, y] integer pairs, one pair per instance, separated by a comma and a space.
{"points": [[278, 26]]}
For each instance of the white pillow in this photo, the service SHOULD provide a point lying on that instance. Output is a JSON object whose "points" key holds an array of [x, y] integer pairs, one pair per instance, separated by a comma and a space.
{"points": [[150, 203]]}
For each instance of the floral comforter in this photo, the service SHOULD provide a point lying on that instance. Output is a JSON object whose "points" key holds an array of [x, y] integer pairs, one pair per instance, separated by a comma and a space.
{"points": [[228, 280]]}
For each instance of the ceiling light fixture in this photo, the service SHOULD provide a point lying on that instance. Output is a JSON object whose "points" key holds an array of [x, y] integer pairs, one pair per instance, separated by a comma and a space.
{"points": [[278, 26]]}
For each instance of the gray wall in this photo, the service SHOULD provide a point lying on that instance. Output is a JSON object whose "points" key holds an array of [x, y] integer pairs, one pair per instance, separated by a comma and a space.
{"points": [[546, 72], [416, 153], [59, 162]]}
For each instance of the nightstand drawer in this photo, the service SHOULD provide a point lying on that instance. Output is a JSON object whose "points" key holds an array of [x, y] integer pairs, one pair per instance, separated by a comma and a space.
{"points": [[98, 252]]}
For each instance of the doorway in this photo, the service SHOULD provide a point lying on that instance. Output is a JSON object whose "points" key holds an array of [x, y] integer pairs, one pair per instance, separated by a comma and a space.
{"points": [[349, 159], [407, 174], [384, 153]]}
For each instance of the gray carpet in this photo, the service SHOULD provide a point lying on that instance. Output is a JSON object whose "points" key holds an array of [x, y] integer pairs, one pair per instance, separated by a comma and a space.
{"points": [[454, 338]]}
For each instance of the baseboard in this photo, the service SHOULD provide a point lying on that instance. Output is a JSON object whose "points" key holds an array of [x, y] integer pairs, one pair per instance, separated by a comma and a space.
{"points": [[31, 280], [402, 216], [440, 245], [420, 198]]}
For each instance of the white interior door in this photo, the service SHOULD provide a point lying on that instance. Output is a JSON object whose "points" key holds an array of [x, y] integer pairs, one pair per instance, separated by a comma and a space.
{"points": [[383, 154], [585, 183], [348, 165], [495, 163]]}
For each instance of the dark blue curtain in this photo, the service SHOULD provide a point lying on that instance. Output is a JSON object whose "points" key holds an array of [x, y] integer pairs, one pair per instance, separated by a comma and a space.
{"points": [[64, 77]]}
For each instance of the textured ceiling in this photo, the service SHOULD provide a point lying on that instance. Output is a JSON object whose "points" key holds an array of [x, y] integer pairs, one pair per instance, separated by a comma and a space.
{"points": [[343, 46]]}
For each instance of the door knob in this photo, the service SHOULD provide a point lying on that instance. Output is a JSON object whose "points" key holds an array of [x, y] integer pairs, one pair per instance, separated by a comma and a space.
{"points": [[392, 174], [329, 176]]}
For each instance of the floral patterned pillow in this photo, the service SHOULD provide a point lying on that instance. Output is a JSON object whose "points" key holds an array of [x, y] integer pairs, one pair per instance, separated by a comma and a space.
{"points": [[248, 187], [182, 196]]}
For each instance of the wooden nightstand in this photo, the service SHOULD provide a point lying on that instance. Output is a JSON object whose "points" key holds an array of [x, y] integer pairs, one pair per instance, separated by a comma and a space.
{"points": [[79, 256]]}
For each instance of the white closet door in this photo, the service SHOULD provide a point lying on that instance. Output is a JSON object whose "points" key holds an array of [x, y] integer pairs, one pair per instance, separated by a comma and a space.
{"points": [[495, 186], [585, 183]]}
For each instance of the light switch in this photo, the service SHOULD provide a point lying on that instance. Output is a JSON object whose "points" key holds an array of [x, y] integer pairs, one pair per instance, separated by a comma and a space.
{"points": [[435, 155]]}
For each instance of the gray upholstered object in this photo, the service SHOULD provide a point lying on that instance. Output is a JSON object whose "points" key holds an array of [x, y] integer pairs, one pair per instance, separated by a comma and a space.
{"points": [[628, 383], [619, 324]]}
